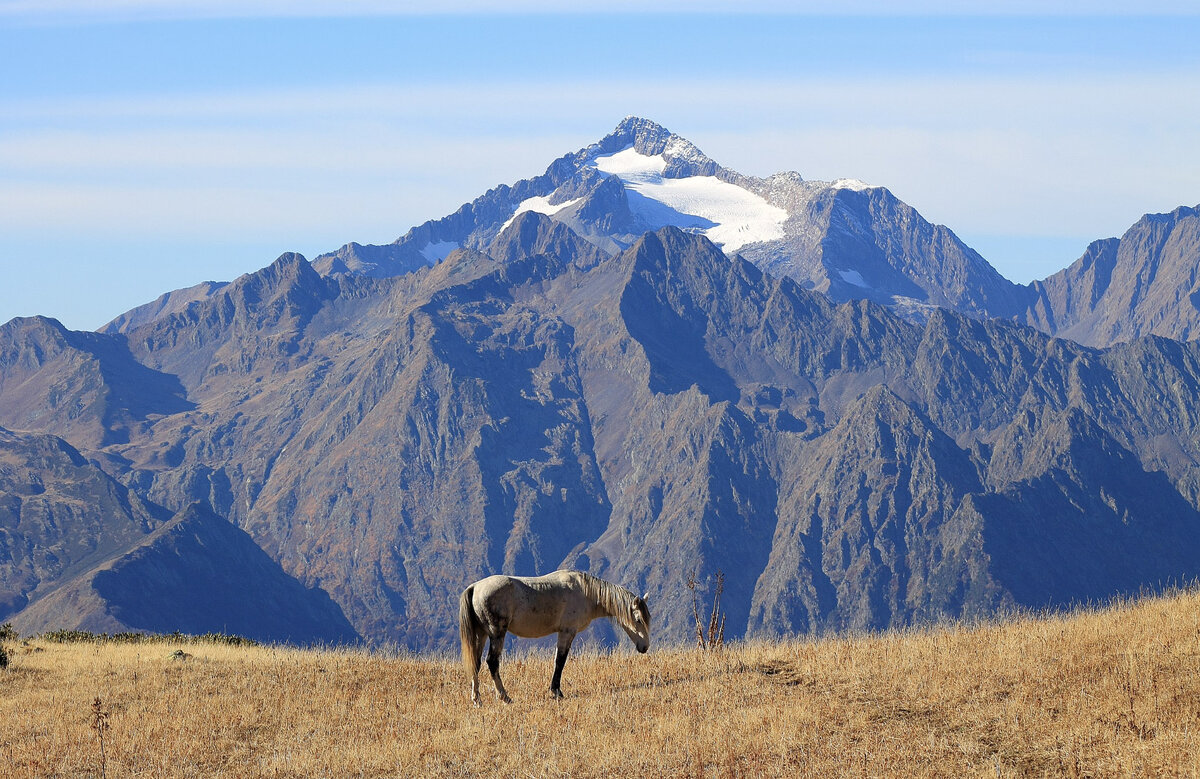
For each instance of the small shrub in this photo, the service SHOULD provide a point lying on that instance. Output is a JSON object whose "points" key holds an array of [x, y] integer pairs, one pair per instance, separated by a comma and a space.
{"points": [[3, 657], [130, 638], [8, 633], [222, 638], [71, 636], [84, 636]]}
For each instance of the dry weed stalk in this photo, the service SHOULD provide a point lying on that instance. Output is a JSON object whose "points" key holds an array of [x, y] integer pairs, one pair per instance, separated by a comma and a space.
{"points": [[100, 725], [714, 636]]}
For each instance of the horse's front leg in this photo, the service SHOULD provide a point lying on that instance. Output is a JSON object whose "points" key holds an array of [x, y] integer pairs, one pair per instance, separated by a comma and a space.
{"points": [[495, 648], [564, 646]]}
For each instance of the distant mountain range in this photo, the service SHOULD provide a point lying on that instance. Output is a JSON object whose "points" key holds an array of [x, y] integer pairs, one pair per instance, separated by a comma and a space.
{"points": [[641, 364]]}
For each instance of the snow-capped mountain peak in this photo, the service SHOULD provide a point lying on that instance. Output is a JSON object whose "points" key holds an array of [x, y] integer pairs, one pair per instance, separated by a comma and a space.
{"points": [[681, 156], [845, 238], [669, 181]]}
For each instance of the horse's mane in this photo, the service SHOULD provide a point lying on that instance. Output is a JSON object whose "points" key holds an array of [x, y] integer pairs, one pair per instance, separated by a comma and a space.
{"points": [[613, 598]]}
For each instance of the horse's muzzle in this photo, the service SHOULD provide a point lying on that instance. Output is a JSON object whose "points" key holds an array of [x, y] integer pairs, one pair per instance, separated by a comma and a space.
{"points": [[643, 649]]}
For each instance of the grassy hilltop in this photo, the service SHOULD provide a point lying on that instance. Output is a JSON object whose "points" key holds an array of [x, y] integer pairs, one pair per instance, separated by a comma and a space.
{"points": [[1113, 692]]}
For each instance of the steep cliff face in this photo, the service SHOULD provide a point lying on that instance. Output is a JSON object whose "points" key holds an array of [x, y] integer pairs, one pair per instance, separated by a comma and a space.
{"points": [[646, 415], [873, 532]]}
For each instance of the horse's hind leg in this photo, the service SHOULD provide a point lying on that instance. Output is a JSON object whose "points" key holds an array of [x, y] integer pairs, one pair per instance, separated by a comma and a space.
{"points": [[564, 646], [477, 651], [495, 648]]}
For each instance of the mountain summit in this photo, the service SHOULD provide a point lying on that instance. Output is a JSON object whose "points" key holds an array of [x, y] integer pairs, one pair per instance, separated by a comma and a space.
{"points": [[844, 238]]}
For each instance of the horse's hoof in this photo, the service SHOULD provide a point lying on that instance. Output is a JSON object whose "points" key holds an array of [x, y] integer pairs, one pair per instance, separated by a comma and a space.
{"points": [[556, 695]]}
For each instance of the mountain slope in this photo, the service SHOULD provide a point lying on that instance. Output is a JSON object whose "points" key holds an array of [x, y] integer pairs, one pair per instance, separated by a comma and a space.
{"points": [[658, 412], [59, 514], [84, 386], [195, 574], [1145, 283]]}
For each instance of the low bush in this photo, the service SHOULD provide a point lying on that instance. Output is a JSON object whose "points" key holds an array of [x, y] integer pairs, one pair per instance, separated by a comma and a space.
{"points": [[85, 636]]}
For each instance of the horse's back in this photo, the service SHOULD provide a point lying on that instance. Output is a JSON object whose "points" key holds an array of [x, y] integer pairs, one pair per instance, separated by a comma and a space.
{"points": [[529, 606], [499, 596], [501, 583]]}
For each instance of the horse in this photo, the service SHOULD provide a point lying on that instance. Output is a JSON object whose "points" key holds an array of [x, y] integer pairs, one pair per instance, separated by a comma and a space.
{"points": [[563, 602]]}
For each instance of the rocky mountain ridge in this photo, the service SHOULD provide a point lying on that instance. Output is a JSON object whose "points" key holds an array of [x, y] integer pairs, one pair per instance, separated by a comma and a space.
{"points": [[80, 551], [1143, 283], [846, 238], [644, 415]]}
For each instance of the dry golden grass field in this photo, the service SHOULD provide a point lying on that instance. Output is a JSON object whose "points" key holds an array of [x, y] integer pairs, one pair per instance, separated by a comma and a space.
{"points": [[1114, 692]]}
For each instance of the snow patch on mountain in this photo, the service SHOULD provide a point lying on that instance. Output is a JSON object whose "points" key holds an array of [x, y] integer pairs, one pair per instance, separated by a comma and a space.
{"points": [[538, 204], [854, 277], [435, 252], [632, 167], [726, 214], [854, 185]]}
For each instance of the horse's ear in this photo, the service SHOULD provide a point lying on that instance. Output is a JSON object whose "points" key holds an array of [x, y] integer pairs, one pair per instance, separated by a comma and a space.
{"points": [[645, 596]]}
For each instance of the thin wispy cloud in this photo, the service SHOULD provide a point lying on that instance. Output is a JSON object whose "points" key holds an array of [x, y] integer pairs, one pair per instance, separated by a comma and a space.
{"points": [[977, 155], [127, 10]]}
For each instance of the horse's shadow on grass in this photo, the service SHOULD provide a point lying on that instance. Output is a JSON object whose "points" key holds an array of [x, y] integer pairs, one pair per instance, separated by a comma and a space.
{"points": [[767, 673], [778, 673]]}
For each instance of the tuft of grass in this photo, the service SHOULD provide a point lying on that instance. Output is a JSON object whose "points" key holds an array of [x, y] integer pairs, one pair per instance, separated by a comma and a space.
{"points": [[1104, 692]]}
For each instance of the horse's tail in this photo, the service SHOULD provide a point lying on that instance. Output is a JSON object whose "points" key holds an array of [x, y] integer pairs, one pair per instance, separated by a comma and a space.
{"points": [[469, 628]]}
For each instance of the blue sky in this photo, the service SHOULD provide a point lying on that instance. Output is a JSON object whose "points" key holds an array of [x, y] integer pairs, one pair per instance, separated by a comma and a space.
{"points": [[148, 145]]}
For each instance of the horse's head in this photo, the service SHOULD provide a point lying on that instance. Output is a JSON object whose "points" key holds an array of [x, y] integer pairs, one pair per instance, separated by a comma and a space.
{"points": [[637, 626]]}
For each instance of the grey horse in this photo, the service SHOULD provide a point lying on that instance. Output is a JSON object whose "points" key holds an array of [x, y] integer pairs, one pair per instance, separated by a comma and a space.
{"points": [[563, 602]]}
